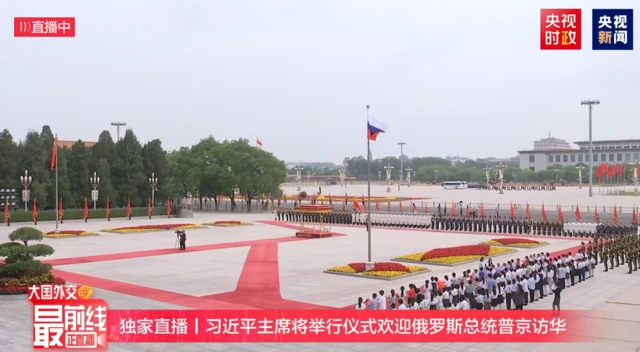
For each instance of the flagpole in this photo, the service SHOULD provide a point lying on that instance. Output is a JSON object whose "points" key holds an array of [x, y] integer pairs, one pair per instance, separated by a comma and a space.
{"points": [[369, 263], [57, 197]]}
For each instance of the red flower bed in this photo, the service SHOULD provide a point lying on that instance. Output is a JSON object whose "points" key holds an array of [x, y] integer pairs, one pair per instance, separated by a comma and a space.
{"points": [[12, 286], [514, 240], [380, 266], [478, 249], [153, 227], [73, 232]]}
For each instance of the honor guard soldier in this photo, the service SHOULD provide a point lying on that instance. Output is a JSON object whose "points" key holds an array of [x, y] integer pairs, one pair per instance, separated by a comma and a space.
{"points": [[611, 253], [629, 259], [604, 257]]}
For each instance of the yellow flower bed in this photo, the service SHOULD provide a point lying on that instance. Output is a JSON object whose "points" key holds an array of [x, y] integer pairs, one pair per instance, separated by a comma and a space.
{"points": [[133, 229], [223, 224], [343, 269], [62, 234], [339, 198], [452, 260], [412, 269], [522, 245]]}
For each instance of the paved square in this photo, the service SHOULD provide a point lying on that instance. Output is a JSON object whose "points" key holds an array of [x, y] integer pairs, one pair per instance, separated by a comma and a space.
{"points": [[266, 267]]}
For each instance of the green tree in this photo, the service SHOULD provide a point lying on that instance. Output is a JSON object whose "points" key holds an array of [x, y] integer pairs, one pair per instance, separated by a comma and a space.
{"points": [[105, 188], [105, 148], [19, 259], [155, 161], [34, 160], [79, 159], [127, 171], [9, 161]]}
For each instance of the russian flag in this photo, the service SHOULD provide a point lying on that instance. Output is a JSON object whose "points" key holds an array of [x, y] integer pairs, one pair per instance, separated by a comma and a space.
{"points": [[415, 208], [375, 127]]}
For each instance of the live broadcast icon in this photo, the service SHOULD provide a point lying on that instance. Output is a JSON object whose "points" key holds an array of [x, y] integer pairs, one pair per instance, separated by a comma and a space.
{"points": [[612, 29], [560, 29]]}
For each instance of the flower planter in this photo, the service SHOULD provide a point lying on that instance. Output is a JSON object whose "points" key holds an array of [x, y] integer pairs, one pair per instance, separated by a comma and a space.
{"points": [[227, 223], [152, 228], [381, 270], [524, 243], [69, 233], [16, 297], [452, 256]]}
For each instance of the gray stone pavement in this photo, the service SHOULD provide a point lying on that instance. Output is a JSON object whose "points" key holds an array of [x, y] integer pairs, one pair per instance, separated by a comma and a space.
{"points": [[612, 302], [612, 299]]}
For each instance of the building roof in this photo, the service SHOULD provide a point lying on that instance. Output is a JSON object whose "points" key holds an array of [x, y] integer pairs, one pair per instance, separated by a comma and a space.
{"points": [[69, 144], [611, 141], [548, 151]]}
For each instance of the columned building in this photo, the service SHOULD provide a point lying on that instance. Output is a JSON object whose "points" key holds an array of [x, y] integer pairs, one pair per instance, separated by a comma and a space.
{"points": [[609, 151]]}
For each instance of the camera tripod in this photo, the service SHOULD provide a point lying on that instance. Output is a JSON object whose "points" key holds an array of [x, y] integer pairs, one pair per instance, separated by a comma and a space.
{"points": [[175, 245]]}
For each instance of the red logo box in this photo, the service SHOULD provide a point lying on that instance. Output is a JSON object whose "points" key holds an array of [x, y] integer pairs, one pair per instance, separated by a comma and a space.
{"points": [[44, 27], [560, 29]]}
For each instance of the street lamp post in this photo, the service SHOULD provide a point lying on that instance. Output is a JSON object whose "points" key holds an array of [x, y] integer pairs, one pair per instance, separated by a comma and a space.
{"points": [[435, 175], [343, 178], [500, 167], [401, 144], [153, 182], [487, 175], [308, 176], [388, 169], [408, 170], [299, 176], [556, 170], [379, 175], [26, 182], [590, 103], [580, 168], [634, 176], [95, 182]]}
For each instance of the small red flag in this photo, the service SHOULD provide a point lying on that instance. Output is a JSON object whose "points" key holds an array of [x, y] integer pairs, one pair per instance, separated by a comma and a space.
{"points": [[634, 217], [528, 213], [108, 209], [544, 214], [61, 211], [34, 211], [513, 211], [453, 209], [578, 215], [6, 210], [149, 208], [596, 216], [560, 216], [615, 214], [129, 208], [482, 210], [356, 205], [169, 207], [401, 207], [377, 206], [258, 142]]}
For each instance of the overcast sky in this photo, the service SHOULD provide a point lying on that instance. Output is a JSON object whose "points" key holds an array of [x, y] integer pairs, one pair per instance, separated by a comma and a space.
{"points": [[449, 77]]}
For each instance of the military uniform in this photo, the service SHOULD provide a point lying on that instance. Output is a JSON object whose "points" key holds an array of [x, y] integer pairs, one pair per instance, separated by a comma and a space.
{"points": [[604, 257]]}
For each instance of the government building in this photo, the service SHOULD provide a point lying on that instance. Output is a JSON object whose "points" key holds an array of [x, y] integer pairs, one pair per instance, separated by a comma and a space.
{"points": [[553, 151]]}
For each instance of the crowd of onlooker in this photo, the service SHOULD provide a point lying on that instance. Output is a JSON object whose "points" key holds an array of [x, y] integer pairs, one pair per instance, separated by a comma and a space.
{"points": [[510, 285]]}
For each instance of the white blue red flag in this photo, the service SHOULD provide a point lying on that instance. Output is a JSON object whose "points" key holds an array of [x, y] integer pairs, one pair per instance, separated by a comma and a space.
{"points": [[375, 127]]}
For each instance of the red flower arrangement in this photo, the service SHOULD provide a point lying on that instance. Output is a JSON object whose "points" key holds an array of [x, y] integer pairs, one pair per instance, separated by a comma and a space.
{"points": [[477, 249], [379, 266], [153, 227]]}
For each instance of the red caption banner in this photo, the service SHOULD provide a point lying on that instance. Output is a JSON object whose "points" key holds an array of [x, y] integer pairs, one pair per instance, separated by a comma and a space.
{"points": [[44, 27], [343, 326]]}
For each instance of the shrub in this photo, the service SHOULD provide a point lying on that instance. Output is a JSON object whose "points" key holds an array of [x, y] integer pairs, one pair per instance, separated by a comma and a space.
{"points": [[26, 234]]}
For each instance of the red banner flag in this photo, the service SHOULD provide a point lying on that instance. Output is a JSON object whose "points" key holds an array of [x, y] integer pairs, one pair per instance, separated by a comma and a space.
{"points": [[344, 203], [108, 210], [426, 208], [54, 153], [356, 205], [544, 214], [578, 215], [482, 210], [129, 208], [85, 213], [149, 208], [528, 213], [34, 212], [634, 217], [513, 211], [453, 209], [6, 211], [401, 207], [377, 206], [169, 207], [560, 216], [388, 206], [61, 212], [596, 216], [615, 214]]}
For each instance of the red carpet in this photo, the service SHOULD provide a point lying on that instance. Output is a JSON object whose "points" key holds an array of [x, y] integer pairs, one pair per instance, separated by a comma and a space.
{"points": [[258, 286]]}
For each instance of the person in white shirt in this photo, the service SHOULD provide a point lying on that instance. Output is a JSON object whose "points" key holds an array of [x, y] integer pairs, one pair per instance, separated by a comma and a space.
{"points": [[550, 280], [401, 305], [592, 265], [360, 305], [531, 284], [424, 303], [464, 304], [382, 301], [446, 299], [525, 286]]}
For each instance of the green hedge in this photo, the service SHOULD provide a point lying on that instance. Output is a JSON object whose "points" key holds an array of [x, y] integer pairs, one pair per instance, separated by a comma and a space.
{"points": [[75, 214]]}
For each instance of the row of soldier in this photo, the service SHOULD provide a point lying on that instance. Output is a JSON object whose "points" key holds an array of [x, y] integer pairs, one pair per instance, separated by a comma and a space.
{"points": [[495, 224], [615, 250]]}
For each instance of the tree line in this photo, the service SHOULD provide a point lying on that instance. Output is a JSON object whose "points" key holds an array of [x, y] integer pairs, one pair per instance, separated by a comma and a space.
{"points": [[433, 169], [208, 169]]}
